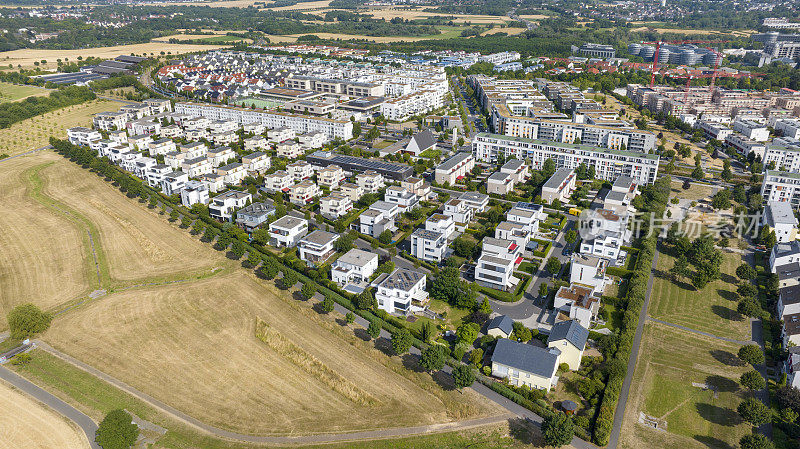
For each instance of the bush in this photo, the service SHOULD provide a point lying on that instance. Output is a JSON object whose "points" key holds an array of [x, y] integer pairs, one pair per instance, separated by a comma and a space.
{"points": [[557, 430], [117, 431], [327, 305], [27, 320], [21, 359], [751, 354]]}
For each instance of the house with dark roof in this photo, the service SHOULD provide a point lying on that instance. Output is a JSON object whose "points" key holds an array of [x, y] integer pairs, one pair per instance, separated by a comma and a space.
{"points": [[788, 275], [569, 338], [421, 142], [524, 364], [790, 332], [500, 326], [788, 300]]}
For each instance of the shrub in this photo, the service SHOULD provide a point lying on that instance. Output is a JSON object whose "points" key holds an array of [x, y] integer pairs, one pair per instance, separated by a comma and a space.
{"points": [[117, 431], [27, 320]]}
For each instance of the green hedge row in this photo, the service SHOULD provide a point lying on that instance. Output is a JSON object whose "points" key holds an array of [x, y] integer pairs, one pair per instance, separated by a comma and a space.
{"points": [[618, 271]]}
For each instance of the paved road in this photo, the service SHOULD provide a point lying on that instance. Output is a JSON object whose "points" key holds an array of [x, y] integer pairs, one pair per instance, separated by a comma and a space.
{"points": [[46, 147], [84, 422], [695, 331], [619, 413]]}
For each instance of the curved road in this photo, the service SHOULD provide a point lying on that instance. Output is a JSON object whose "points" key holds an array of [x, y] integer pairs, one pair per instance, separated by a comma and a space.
{"points": [[84, 422]]}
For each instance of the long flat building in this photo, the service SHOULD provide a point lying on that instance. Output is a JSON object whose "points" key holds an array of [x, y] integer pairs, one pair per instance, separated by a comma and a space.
{"points": [[397, 172], [301, 124], [608, 164]]}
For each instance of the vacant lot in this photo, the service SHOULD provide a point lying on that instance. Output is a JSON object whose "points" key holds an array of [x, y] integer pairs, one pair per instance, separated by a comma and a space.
{"points": [[308, 375], [28, 56], [712, 309], [35, 132], [674, 371], [51, 207], [694, 193], [14, 92], [29, 424]]}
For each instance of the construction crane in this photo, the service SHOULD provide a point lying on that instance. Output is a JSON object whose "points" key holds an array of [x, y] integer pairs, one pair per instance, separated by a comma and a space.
{"points": [[658, 47]]}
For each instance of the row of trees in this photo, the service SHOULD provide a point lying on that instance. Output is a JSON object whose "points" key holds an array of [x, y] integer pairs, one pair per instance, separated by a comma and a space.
{"points": [[13, 112]]}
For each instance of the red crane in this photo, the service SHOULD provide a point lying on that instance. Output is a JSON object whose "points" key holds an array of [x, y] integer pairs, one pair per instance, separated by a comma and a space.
{"points": [[658, 47]]}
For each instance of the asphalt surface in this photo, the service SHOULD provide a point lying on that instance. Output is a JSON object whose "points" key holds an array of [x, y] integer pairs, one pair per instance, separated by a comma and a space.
{"points": [[84, 422]]}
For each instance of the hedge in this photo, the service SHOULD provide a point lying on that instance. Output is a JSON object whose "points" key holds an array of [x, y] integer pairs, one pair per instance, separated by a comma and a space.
{"points": [[618, 271], [497, 294], [546, 243]]}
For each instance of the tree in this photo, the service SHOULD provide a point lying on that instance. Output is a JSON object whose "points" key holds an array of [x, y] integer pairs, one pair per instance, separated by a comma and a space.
{"points": [[350, 317], [680, 269], [117, 431], [557, 429], [543, 289], [755, 441], [789, 397], [697, 173], [173, 215], [754, 411], [289, 279], [385, 237], [269, 268], [751, 354], [553, 265], [476, 357], [749, 306], [722, 200], [327, 305], [747, 290], [726, 174], [374, 329], [700, 279], [745, 272], [308, 290], [401, 341], [433, 357], [463, 376], [253, 258], [467, 333], [571, 236], [365, 300], [27, 320], [463, 247], [752, 380]]}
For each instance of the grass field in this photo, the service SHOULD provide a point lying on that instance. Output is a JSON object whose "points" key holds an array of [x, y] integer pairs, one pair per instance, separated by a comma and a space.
{"points": [[29, 424], [670, 361], [696, 192], [309, 375], [713, 309], [27, 57], [35, 132], [389, 13], [447, 32], [14, 92], [49, 196]]}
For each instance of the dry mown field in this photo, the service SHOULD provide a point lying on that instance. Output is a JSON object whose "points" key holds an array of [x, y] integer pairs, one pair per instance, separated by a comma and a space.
{"points": [[35, 132], [28, 56], [25, 423], [50, 208], [308, 375]]}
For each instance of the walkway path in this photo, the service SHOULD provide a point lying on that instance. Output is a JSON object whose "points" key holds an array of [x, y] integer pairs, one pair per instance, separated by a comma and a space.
{"points": [[84, 422], [46, 147], [695, 331]]}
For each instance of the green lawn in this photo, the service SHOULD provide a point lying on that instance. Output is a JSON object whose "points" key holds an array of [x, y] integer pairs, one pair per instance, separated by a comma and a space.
{"points": [[712, 309], [222, 39], [670, 361], [382, 144], [13, 92]]}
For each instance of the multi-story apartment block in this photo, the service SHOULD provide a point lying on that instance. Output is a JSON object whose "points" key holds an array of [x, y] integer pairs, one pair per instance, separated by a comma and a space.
{"points": [[779, 186], [82, 136], [173, 183], [783, 154], [335, 205], [497, 263], [713, 130], [194, 192], [788, 128], [287, 231], [401, 292], [370, 181], [752, 129], [223, 206], [353, 191], [560, 186], [316, 247], [330, 176], [289, 149], [256, 143], [279, 181], [455, 168], [256, 163], [608, 164], [304, 193], [110, 121], [745, 146], [300, 170]]}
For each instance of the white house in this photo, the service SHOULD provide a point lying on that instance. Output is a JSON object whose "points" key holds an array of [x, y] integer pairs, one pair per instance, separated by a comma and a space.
{"points": [[279, 181], [478, 202], [256, 163], [515, 232], [495, 267], [604, 233], [784, 254], [441, 223], [253, 216], [222, 207], [312, 139], [300, 170], [304, 193], [196, 167], [428, 245], [355, 266], [401, 292], [752, 129], [220, 156], [232, 174], [287, 231], [378, 218], [335, 205], [528, 216], [401, 197], [525, 365], [421, 142], [194, 192], [353, 191], [330, 176], [370, 181], [560, 186], [172, 183], [577, 303], [780, 218], [162, 146], [256, 143], [316, 247], [280, 134], [82, 136], [589, 271], [459, 212], [289, 149]]}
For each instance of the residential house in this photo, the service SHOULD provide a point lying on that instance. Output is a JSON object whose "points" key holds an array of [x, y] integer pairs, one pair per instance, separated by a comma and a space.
{"points": [[500, 326], [316, 247], [300, 170], [355, 266], [454, 169], [279, 181], [156, 174], [280, 134], [441, 223], [82, 136], [287, 231], [194, 149], [459, 212], [401, 292], [312, 139], [335, 205], [220, 156], [224, 137], [253, 216], [417, 186], [428, 245], [604, 233], [478, 202], [500, 183], [569, 338], [289, 149], [256, 163], [161, 146], [402, 197], [779, 216], [196, 167], [589, 271], [330, 176], [214, 181], [140, 142], [577, 303], [528, 216], [223, 206], [515, 232], [790, 331], [497, 263], [304, 193], [232, 174], [784, 253], [110, 121], [792, 366], [421, 142], [173, 183], [788, 275], [560, 186], [194, 192], [256, 143], [517, 169], [378, 218], [353, 191], [788, 300], [175, 159], [525, 365], [370, 181]]}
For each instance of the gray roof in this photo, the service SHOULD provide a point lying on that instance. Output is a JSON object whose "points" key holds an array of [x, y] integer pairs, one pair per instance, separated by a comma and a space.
{"points": [[320, 237], [570, 330], [499, 176], [257, 209], [513, 165], [288, 222], [780, 213], [402, 279], [787, 248], [788, 271], [474, 197], [623, 182], [524, 357], [790, 295], [558, 177], [357, 257], [427, 234], [502, 322], [424, 139], [453, 161]]}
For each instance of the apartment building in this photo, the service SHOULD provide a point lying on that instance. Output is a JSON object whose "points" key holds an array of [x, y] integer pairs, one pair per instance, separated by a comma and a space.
{"points": [[608, 164], [713, 130], [82, 136], [312, 140], [232, 174], [497, 263], [783, 154], [315, 248], [560, 186], [281, 134], [370, 181], [745, 146], [779, 186], [335, 205], [751, 129], [109, 121], [256, 143], [287, 231], [401, 292], [517, 169], [788, 128], [354, 191], [414, 103], [161, 146], [304, 193], [455, 168], [330, 176], [223, 206]]}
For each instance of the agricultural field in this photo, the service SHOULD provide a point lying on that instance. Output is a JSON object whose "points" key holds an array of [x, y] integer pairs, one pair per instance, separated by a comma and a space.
{"points": [[26, 57], [50, 196], [261, 363], [447, 32], [712, 310], [15, 92], [27, 423], [688, 384], [35, 132], [390, 13]]}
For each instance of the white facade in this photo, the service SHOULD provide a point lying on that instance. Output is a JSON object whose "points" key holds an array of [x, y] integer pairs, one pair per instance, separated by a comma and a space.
{"points": [[256, 163], [781, 186], [370, 181], [280, 181], [304, 193], [287, 231], [354, 266], [335, 205], [428, 245], [752, 130], [315, 248], [402, 292], [194, 192], [82, 136], [402, 197], [300, 170], [495, 267], [223, 206]]}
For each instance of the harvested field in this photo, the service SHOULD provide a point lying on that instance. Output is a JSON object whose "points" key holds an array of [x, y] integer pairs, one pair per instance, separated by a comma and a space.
{"points": [[419, 13], [312, 376], [35, 132], [15, 92], [25, 423], [509, 30], [26, 57], [446, 34]]}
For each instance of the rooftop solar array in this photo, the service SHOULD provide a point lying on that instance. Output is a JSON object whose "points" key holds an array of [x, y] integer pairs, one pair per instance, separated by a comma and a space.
{"points": [[73, 78], [395, 171]]}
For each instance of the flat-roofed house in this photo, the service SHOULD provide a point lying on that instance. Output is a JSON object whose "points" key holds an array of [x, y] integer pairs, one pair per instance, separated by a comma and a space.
{"points": [[316, 247], [577, 303], [279, 181], [287, 231], [256, 163], [254, 216], [355, 266], [401, 292]]}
